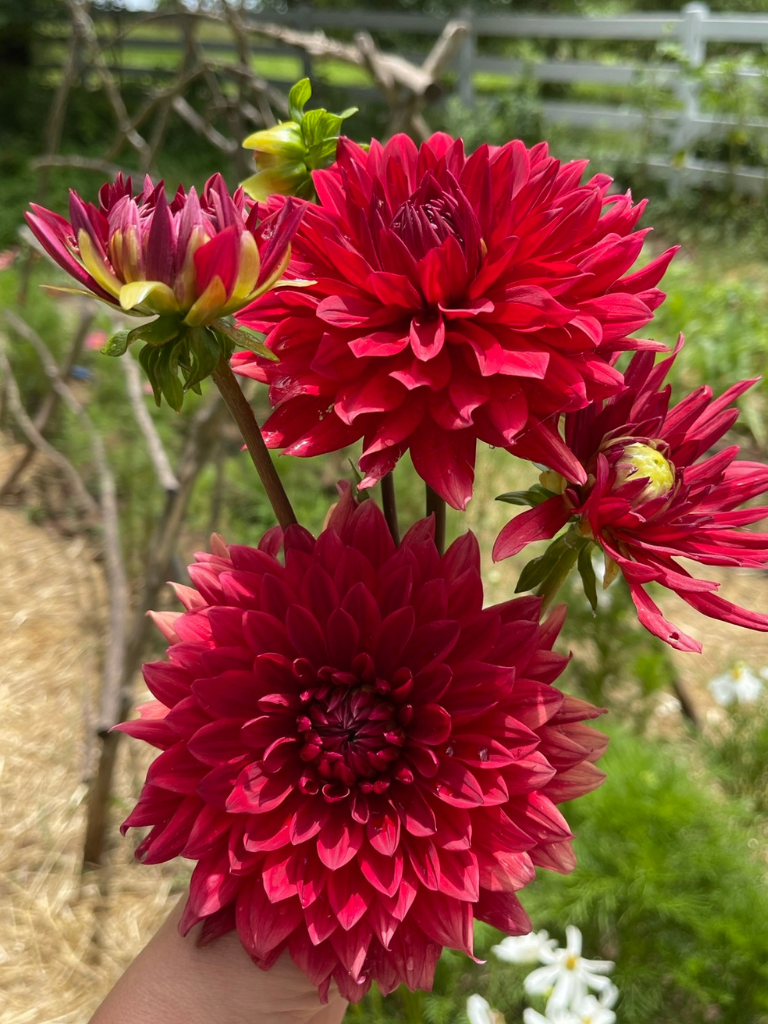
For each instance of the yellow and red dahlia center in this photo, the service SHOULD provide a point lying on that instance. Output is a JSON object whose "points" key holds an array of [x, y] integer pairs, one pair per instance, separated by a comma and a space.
{"points": [[352, 729], [643, 461]]}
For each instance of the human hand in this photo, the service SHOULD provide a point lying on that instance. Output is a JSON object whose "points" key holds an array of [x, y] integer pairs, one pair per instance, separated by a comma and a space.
{"points": [[173, 981]]}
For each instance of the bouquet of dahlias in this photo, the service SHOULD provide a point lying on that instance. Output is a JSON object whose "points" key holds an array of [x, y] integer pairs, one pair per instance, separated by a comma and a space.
{"points": [[361, 758]]}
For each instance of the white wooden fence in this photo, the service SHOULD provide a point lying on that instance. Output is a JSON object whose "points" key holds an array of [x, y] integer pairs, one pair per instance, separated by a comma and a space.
{"points": [[678, 125]]}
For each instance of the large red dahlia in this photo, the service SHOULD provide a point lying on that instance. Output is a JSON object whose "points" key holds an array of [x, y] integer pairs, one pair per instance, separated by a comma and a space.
{"points": [[453, 299], [654, 494], [359, 756]]}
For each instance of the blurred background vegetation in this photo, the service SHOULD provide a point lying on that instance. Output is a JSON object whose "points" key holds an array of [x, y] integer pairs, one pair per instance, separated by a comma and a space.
{"points": [[671, 881]]}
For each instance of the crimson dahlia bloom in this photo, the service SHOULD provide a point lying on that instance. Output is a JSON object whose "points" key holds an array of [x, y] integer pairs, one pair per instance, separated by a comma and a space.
{"points": [[455, 299], [199, 258], [359, 756], [652, 496]]}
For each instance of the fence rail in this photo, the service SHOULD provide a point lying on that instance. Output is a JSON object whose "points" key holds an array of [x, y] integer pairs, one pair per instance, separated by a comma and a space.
{"points": [[679, 124]]}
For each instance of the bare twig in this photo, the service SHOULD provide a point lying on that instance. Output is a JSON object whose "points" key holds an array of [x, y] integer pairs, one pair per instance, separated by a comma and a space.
{"points": [[113, 558], [201, 440], [84, 163], [50, 402], [157, 454], [13, 397], [201, 126]]}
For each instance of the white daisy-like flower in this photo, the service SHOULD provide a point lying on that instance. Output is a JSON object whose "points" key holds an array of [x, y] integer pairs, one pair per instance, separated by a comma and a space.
{"points": [[479, 1011], [524, 949], [590, 1010], [567, 976], [556, 1017], [738, 685]]}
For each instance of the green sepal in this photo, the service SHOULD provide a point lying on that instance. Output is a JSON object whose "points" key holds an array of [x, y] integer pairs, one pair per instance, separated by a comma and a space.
{"points": [[167, 373], [243, 337], [147, 359], [587, 573], [117, 344], [157, 332], [203, 351], [534, 496]]}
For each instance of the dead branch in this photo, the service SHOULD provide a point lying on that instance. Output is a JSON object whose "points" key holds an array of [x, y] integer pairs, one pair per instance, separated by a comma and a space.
{"points": [[113, 558], [157, 454], [201, 440], [83, 163], [13, 397], [50, 402], [83, 22], [201, 126]]}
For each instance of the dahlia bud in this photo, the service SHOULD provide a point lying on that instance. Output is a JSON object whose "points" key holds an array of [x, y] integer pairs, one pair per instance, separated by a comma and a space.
{"points": [[642, 461], [287, 153], [188, 263]]}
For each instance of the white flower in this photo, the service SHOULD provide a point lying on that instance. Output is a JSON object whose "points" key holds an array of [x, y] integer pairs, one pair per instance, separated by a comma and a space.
{"points": [[524, 949], [740, 684], [593, 1011], [557, 1017], [479, 1010], [567, 974]]}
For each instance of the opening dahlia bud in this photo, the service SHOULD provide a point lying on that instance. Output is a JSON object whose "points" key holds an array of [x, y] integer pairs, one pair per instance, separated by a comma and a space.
{"points": [[642, 461], [189, 263], [287, 153]]}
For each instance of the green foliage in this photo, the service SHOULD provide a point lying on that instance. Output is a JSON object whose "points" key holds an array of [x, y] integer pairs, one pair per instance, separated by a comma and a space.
{"points": [[667, 887], [737, 750]]}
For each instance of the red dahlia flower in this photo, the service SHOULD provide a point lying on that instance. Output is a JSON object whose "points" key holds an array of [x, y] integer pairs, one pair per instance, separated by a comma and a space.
{"points": [[652, 497], [359, 756], [454, 299], [197, 258]]}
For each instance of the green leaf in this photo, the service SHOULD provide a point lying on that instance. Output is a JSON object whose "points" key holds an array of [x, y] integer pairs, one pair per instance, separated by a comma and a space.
{"points": [[587, 573], [157, 332], [533, 496], [298, 98], [117, 344], [319, 125]]}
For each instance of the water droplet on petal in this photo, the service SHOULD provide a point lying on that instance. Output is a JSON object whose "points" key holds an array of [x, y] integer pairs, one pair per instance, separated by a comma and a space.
{"points": [[409, 964], [483, 753]]}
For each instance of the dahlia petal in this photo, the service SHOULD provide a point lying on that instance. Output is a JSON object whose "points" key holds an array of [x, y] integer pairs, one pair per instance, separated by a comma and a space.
{"points": [[256, 792], [383, 830], [339, 842], [218, 742], [456, 785], [167, 682], [384, 873], [502, 910], [427, 337], [446, 921], [446, 460], [539, 523], [176, 769], [261, 925], [211, 888], [651, 617], [348, 895], [351, 945]]}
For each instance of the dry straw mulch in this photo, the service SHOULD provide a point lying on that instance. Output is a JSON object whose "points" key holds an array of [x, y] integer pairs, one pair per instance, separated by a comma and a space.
{"points": [[64, 939]]}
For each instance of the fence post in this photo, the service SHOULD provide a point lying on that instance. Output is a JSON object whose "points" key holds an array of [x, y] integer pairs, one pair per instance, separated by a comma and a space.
{"points": [[694, 45], [466, 60]]}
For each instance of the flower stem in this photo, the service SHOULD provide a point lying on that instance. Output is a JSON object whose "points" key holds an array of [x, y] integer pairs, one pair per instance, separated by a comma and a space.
{"points": [[242, 414], [436, 504], [389, 502]]}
